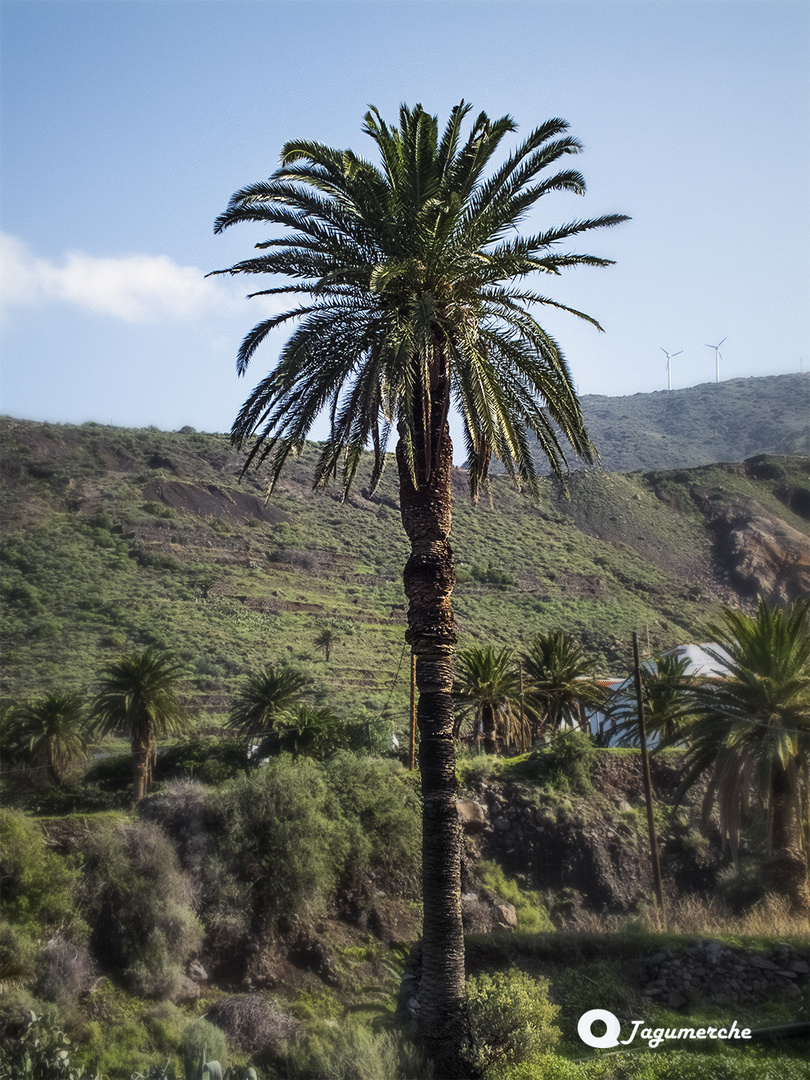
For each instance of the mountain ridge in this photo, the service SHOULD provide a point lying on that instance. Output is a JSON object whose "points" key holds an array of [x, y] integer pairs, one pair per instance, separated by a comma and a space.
{"points": [[701, 425]]}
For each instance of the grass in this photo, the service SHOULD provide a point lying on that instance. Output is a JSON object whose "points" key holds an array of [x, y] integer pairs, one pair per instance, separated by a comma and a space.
{"points": [[767, 922]]}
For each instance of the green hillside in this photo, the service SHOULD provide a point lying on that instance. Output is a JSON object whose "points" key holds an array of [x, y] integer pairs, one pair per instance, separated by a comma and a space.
{"points": [[681, 429], [118, 538]]}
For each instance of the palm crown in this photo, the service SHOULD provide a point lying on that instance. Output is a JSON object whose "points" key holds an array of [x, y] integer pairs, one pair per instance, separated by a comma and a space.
{"points": [[561, 679], [139, 698], [487, 681], [668, 702], [54, 733], [404, 268], [266, 696]]}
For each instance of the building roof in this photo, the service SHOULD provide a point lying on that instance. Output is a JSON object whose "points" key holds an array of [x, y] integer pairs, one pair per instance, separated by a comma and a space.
{"points": [[700, 660]]}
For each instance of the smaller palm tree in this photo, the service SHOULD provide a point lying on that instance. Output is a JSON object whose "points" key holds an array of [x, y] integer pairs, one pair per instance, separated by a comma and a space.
{"points": [[139, 698], [53, 733], [668, 697], [751, 734], [307, 731], [326, 641], [264, 697], [488, 686], [561, 681]]}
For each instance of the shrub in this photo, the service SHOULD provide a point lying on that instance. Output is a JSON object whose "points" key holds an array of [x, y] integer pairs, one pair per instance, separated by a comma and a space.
{"points": [[68, 969], [369, 734], [279, 838], [380, 803], [742, 887], [139, 905], [182, 811], [80, 797], [511, 1019], [251, 1022], [165, 1022], [38, 886], [203, 1038], [352, 1052], [111, 773], [474, 767], [492, 575], [211, 760], [567, 764]]}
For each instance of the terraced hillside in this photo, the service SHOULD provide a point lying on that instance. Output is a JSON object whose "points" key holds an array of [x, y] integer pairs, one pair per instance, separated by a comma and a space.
{"points": [[117, 538]]}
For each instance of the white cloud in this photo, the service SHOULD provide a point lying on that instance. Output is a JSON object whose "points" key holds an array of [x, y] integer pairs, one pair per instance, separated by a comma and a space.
{"points": [[135, 288]]}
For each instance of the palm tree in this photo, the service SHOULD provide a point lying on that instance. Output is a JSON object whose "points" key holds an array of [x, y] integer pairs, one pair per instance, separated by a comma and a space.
{"points": [[752, 734], [326, 641], [265, 697], [308, 731], [487, 681], [560, 681], [53, 733], [138, 698], [412, 279], [668, 702]]}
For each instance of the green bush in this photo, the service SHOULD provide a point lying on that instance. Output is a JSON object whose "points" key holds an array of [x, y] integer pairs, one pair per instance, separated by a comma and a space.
{"points": [[202, 1038], [380, 804], [210, 760], [139, 904], [511, 1019], [606, 981], [38, 888], [749, 1064], [473, 767], [368, 733], [79, 797], [567, 764], [279, 840], [350, 1051], [492, 575], [111, 773]]}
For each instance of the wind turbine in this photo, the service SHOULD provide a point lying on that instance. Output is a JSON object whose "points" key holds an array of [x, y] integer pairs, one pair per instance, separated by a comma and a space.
{"points": [[717, 358], [669, 356]]}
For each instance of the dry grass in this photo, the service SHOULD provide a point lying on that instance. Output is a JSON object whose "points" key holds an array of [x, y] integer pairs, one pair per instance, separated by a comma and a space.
{"points": [[705, 917]]}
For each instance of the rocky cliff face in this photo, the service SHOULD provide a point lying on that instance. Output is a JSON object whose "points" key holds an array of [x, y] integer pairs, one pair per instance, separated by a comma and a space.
{"points": [[763, 554], [592, 853]]}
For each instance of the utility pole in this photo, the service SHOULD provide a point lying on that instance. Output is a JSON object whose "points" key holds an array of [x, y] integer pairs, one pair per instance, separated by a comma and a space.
{"points": [[412, 758], [645, 766], [522, 713]]}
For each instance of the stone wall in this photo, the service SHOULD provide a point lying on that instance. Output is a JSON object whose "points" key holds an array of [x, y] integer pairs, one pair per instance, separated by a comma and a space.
{"points": [[724, 975]]}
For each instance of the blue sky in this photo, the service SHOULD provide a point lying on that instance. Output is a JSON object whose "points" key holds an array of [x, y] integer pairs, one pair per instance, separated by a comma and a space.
{"points": [[127, 125]]}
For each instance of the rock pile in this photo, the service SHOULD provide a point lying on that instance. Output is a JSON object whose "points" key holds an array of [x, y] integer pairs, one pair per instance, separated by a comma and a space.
{"points": [[724, 975]]}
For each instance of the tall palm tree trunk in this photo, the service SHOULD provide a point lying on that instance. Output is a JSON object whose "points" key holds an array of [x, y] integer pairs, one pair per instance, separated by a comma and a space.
{"points": [[787, 864], [429, 577], [140, 767], [490, 731]]}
